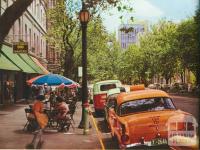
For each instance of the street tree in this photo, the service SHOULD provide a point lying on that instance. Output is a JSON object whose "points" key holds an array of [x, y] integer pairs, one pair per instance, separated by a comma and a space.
{"points": [[197, 37], [129, 65], [187, 45], [64, 30], [102, 57], [165, 34], [64, 35]]}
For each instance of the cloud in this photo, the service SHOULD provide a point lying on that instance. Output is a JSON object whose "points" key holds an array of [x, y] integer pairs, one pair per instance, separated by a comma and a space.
{"points": [[144, 8]]}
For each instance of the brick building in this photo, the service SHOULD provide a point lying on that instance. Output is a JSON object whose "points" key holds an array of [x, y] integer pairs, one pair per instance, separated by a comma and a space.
{"points": [[53, 55]]}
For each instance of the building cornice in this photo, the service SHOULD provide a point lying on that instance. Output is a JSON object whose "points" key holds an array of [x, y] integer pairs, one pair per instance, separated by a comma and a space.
{"points": [[30, 17]]}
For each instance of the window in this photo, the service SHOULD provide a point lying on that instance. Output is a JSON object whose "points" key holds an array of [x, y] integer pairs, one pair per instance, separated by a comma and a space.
{"points": [[13, 28], [41, 47], [41, 16], [26, 33], [30, 38], [112, 101], [37, 45], [148, 104], [35, 7], [107, 87], [19, 29], [34, 41]]}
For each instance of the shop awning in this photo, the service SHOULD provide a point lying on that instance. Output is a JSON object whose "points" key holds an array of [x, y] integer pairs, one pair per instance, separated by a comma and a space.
{"points": [[29, 61], [40, 65], [5, 64], [17, 60]]}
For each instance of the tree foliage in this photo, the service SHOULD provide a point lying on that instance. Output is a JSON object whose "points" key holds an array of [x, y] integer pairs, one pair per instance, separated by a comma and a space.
{"points": [[166, 50], [64, 31], [64, 35]]}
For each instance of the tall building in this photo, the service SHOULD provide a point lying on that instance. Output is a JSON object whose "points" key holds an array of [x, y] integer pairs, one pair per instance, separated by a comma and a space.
{"points": [[129, 33], [16, 68]]}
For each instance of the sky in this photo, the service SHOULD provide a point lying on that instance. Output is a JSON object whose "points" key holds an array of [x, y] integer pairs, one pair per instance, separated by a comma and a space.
{"points": [[152, 11]]}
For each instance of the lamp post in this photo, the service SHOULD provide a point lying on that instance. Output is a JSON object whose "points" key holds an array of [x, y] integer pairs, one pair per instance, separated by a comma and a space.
{"points": [[84, 17]]}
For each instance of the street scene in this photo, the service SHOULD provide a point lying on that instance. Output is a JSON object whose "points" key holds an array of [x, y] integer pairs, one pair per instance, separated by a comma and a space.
{"points": [[99, 74]]}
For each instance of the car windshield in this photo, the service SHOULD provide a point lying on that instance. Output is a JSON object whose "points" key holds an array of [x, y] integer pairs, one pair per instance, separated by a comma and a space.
{"points": [[147, 104]]}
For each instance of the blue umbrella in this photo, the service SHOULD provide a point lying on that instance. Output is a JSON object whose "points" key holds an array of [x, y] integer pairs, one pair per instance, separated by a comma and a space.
{"points": [[52, 79]]}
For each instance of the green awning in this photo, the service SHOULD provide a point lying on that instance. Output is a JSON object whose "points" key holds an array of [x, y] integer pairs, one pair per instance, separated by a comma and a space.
{"points": [[5, 64], [27, 59], [17, 60]]}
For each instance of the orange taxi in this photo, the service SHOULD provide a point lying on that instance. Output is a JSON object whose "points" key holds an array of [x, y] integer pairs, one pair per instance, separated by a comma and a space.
{"points": [[139, 117]]}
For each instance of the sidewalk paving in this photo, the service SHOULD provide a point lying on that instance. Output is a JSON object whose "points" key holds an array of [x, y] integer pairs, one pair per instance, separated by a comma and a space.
{"points": [[12, 135]]}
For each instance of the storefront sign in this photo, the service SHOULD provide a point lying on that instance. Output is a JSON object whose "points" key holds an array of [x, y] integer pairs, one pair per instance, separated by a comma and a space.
{"points": [[20, 47]]}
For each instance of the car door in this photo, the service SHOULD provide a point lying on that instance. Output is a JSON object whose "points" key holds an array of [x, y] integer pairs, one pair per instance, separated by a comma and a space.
{"points": [[109, 104], [112, 118]]}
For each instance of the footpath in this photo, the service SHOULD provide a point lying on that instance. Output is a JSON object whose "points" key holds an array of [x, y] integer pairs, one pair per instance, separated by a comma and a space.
{"points": [[12, 136]]}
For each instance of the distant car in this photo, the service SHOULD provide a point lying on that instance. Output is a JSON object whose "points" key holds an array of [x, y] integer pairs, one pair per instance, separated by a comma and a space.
{"points": [[100, 93], [165, 87], [154, 86], [179, 87], [139, 118]]}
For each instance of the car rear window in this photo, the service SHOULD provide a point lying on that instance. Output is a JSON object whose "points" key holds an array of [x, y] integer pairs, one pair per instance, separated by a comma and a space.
{"points": [[148, 104], [107, 87]]}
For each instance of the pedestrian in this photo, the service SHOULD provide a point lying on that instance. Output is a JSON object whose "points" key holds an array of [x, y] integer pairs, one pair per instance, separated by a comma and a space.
{"points": [[62, 108], [41, 90], [38, 107]]}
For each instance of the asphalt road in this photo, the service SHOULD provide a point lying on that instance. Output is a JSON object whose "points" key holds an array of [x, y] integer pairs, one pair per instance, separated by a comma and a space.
{"points": [[187, 104]]}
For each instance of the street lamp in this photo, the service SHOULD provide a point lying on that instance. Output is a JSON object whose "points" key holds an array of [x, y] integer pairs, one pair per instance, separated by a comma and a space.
{"points": [[84, 17]]}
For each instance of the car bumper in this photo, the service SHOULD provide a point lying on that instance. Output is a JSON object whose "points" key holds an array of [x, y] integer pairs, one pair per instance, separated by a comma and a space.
{"points": [[146, 144]]}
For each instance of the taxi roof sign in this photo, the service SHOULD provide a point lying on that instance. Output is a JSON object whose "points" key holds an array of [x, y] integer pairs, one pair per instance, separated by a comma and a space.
{"points": [[137, 87]]}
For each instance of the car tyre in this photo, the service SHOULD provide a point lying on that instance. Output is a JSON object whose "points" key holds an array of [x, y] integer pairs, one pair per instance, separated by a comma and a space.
{"points": [[115, 140]]}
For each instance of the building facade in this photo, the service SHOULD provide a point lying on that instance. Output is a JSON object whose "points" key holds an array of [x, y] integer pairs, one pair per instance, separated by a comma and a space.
{"points": [[17, 68], [53, 55], [129, 34], [31, 27]]}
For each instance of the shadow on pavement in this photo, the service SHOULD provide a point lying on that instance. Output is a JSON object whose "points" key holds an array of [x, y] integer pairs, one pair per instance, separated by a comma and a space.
{"points": [[21, 132], [100, 115], [11, 108], [110, 144], [103, 126]]}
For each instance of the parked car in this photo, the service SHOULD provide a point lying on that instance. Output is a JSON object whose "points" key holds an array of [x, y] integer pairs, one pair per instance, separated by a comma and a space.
{"points": [[165, 87], [139, 118], [179, 87], [100, 93], [111, 97]]}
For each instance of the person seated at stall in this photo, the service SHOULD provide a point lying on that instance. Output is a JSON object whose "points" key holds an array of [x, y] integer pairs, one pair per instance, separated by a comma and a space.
{"points": [[38, 108], [62, 108]]}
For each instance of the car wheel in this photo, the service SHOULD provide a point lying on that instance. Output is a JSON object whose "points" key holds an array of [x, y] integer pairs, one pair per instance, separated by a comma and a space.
{"points": [[114, 137], [115, 140]]}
